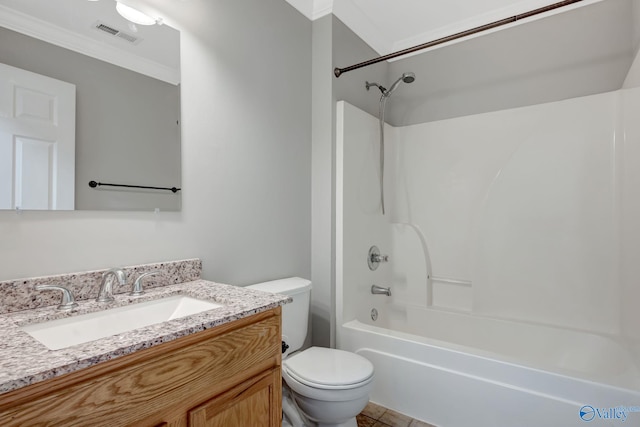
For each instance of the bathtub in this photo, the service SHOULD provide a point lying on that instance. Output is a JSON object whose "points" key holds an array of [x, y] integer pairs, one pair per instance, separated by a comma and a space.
{"points": [[463, 370]]}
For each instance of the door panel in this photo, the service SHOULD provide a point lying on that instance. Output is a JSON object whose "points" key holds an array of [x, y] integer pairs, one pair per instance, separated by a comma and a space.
{"points": [[251, 403], [34, 170], [37, 141]]}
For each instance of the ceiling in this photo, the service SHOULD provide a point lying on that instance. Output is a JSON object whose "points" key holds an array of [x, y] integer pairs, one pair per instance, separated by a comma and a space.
{"points": [[577, 50], [389, 26], [71, 24]]}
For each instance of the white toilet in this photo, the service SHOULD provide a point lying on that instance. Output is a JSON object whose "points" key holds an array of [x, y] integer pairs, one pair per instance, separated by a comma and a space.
{"points": [[322, 386]]}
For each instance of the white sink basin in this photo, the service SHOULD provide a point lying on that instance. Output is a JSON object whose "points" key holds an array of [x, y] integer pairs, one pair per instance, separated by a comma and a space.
{"points": [[62, 333]]}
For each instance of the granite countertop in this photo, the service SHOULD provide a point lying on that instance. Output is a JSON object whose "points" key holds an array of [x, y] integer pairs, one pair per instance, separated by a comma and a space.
{"points": [[25, 361]]}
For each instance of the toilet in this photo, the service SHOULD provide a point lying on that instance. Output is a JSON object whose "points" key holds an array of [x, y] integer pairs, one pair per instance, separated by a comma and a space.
{"points": [[321, 386]]}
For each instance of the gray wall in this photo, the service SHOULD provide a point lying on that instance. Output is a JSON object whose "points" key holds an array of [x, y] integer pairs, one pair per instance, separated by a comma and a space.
{"points": [[322, 230], [635, 15], [349, 49], [127, 127], [246, 155], [579, 52], [333, 45]]}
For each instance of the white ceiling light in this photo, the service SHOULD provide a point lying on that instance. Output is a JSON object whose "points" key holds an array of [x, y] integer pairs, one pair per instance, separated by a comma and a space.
{"points": [[134, 15]]}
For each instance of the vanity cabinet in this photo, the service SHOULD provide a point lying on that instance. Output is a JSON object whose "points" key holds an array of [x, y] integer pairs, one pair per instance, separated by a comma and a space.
{"points": [[248, 404], [227, 376]]}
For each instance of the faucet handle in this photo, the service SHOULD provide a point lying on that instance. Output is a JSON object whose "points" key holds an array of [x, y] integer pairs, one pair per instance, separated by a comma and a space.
{"points": [[68, 302], [137, 285], [374, 258]]}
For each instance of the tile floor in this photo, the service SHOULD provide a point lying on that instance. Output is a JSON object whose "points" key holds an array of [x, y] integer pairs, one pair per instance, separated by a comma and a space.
{"points": [[377, 416]]}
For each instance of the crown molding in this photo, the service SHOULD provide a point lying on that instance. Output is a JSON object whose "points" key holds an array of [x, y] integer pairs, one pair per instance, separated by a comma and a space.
{"points": [[313, 9], [321, 8], [43, 30]]}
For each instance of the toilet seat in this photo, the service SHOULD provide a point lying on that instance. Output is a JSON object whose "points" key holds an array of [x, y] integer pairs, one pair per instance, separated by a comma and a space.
{"points": [[329, 369], [362, 390]]}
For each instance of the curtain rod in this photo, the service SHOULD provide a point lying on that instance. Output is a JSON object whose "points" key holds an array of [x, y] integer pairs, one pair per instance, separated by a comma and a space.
{"points": [[339, 71]]}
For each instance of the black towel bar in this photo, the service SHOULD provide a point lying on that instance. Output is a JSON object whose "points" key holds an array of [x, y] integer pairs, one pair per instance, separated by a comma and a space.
{"points": [[94, 184]]}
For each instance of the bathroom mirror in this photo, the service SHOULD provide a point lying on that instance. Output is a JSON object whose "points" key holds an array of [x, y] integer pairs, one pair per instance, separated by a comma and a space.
{"points": [[126, 118]]}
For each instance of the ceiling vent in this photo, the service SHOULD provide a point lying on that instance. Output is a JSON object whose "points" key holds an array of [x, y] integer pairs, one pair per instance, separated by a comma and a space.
{"points": [[115, 32]]}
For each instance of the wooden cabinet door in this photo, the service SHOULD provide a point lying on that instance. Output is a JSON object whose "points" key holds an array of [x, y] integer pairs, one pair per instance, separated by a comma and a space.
{"points": [[255, 403]]}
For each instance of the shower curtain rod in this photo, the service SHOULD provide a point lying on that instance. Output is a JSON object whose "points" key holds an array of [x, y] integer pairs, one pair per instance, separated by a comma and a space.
{"points": [[339, 71]]}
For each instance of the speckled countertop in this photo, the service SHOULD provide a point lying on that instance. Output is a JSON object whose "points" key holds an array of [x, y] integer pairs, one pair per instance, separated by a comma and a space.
{"points": [[25, 361]]}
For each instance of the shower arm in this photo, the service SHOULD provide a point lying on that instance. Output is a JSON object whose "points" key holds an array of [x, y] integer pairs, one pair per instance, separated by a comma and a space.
{"points": [[382, 88]]}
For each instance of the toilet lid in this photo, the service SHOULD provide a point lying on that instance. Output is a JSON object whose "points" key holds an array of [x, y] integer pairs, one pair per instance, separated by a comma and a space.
{"points": [[328, 367]]}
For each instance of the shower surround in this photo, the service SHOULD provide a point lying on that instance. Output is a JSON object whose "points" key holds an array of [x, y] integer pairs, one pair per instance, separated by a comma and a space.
{"points": [[513, 243]]}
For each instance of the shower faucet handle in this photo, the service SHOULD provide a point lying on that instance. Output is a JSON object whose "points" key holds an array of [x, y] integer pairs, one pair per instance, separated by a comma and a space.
{"points": [[375, 258], [379, 258]]}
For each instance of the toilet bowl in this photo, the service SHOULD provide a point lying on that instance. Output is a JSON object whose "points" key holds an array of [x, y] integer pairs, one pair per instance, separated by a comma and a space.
{"points": [[329, 386], [322, 387]]}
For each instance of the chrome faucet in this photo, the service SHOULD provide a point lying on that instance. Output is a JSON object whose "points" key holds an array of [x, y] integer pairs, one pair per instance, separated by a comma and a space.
{"points": [[379, 290], [106, 287], [67, 303], [374, 258], [137, 285]]}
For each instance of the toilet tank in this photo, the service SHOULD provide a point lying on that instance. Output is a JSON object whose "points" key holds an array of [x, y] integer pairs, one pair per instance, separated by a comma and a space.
{"points": [[295, 315]]}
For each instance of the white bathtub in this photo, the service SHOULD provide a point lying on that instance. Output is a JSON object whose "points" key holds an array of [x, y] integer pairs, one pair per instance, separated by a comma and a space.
{"points": [[461, 370]]}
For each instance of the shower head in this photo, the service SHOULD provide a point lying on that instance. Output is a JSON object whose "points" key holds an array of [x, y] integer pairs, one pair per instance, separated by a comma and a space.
{"points": [[406, 78]]}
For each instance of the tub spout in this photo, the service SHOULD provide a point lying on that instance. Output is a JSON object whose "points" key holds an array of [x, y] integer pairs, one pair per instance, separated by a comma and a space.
{"points": [[379, 290]]}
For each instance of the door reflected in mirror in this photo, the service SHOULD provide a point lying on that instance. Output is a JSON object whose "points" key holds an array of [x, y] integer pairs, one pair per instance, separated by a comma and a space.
{"points": [[126, 123]]}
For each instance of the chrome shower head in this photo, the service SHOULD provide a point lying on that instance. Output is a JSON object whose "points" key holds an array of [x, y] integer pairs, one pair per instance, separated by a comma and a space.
{"points": [[406, 78]]}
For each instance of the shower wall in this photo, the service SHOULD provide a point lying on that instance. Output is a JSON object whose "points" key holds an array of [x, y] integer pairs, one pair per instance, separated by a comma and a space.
{"points": [[630, 214], [528, 214], [359, 224]]}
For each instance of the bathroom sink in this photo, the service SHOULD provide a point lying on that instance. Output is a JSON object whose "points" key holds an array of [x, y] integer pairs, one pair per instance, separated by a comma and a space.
{"points": [[63, 333]]}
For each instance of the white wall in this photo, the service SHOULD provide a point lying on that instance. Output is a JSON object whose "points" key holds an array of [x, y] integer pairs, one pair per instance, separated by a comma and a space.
{"points": [[535, 206], [359, 223], [630, 214], [547, 245], [246, 115]]}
